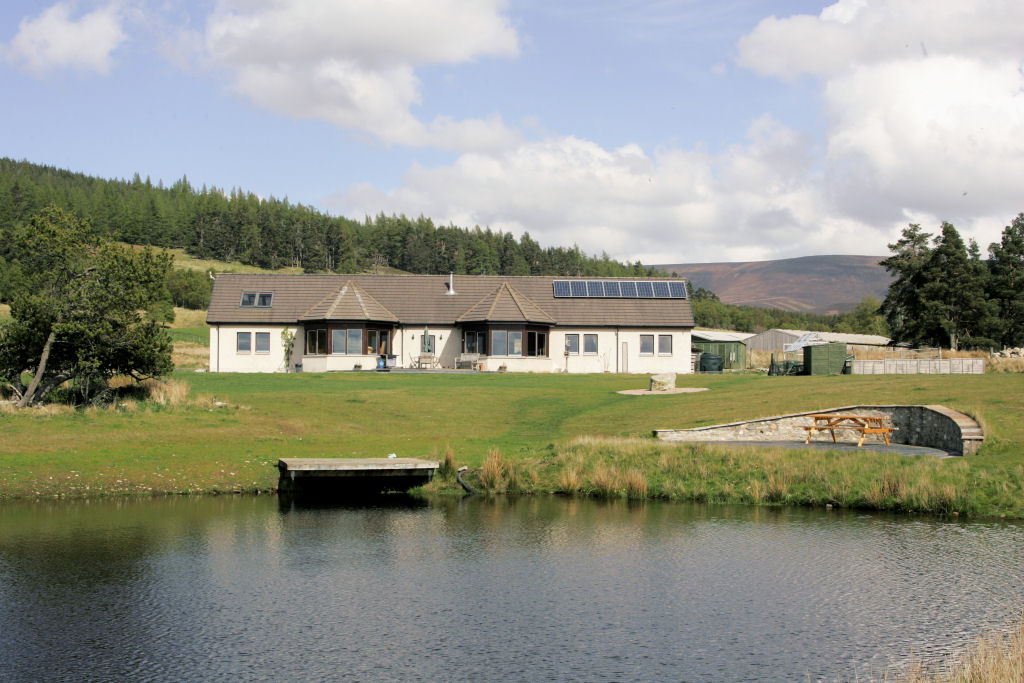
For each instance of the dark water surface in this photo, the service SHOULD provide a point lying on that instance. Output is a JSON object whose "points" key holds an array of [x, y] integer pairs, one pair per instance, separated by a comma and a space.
{"points": [[529, 590]]}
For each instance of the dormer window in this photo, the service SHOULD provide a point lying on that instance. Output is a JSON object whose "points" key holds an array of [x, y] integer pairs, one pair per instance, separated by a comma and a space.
{"points": [[257, 299]]}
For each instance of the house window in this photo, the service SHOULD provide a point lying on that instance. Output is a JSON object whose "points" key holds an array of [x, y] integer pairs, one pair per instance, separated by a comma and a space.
{"points": [[262, 342], [572, 343], [475, 342], [244, 342], [499, 342], [536, 343], [590, 343], [427, 343], [338, 341], [355, 341], [347, 341], [646, 344], [377, 341], [515, 343], [316, 342], [664, 344], [257, 299]]}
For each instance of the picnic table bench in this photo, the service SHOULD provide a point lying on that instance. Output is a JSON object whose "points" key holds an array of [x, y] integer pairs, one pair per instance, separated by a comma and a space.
{"points": [[427, 360], [864, 424]]}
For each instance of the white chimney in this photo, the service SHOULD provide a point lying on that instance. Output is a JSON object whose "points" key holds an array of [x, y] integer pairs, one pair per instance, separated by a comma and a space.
{"points": [[451, 284]]}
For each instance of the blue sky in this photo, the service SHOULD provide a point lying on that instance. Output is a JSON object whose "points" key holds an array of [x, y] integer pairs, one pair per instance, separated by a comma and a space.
{"points": [[661, 130]]}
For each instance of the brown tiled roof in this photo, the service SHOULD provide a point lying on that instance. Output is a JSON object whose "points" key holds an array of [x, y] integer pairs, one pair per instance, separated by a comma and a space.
{"points": [[349, 303], [505, 305], [423, 299]]}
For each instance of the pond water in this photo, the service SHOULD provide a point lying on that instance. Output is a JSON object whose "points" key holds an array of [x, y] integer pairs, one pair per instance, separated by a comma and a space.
{"points": [[523, 590]]}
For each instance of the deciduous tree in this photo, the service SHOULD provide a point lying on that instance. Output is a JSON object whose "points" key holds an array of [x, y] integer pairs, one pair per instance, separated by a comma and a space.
{"points": [[85, 310]]}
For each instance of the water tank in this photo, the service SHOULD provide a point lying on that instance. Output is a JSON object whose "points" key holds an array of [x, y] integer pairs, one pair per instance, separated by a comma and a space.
{"points": [[710, 362]]}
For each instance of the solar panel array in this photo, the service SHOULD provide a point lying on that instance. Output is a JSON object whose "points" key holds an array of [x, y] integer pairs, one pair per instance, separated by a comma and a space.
{"points": [[620, 289]]}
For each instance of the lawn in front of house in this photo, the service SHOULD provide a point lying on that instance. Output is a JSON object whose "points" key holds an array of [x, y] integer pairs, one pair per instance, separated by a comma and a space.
{"points": [[230, 440]]}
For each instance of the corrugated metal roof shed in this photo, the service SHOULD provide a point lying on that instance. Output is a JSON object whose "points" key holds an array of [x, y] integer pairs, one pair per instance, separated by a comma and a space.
{"points": [[776, 339], [721, 335]]}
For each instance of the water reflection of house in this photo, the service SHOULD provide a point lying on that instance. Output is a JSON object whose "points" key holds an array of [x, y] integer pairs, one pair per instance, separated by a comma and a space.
{"points": [[524, 324]]}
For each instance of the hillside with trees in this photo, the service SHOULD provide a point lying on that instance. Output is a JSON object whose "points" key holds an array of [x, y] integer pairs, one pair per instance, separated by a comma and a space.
{"points": [[234, 225]]}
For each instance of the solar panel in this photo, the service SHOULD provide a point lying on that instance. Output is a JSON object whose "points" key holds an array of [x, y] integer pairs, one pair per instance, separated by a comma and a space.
{"points": [[623, 289], [677, 289]]}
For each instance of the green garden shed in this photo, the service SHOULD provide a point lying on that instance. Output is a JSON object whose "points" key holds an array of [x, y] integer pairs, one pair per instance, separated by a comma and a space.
{"points": [[731, 346], [825, 359]]}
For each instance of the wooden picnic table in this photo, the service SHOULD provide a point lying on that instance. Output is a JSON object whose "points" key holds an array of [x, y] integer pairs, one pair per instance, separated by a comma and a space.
{"points": [[864, 424]]}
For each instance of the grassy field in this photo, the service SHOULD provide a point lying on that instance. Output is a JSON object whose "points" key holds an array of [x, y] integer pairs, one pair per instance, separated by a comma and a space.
{"points": [[520, 433]]}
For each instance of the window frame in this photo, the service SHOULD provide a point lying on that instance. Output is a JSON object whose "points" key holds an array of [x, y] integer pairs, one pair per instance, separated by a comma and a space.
{"points": [[661, 338], [651, 347], [321, 347], [498, 348], [574, 348], [515, 338], [590, 336], [256, 299], [248, 342], [265, 336], [427, 343], [536, 344]]}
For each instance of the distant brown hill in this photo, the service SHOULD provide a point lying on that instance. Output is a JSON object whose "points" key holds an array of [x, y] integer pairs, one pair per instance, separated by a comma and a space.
{"points": [[812, 284]]}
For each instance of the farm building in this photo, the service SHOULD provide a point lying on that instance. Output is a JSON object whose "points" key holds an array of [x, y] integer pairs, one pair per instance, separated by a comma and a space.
{"points": [[731, 346], [776, 340], [321, 323]]}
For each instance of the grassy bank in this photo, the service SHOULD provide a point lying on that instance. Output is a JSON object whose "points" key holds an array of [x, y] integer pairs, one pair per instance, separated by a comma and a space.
{"points": [[526, 430]]}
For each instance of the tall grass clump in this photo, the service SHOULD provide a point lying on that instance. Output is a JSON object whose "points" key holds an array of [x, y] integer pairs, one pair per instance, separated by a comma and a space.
{"points": [[492, 473], [605, 481], [500, 475], [994, 658], [447, 467], [635, 484], [167, 393], [570, 480]]}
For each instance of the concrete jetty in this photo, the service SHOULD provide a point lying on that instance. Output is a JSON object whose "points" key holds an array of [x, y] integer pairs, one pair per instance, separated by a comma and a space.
{"points": [[354, 475]]}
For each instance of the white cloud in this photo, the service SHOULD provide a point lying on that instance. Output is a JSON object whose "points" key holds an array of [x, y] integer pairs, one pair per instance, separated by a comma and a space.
{"points": [[354, 63], [924, 106], [756, 200], [55, 40], [854, 33]]}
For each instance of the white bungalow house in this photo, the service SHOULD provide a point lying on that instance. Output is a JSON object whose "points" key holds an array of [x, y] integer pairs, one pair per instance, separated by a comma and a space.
{"points": [[322, 323]]}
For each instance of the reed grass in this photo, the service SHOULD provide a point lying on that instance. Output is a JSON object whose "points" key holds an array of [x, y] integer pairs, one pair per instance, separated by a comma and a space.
{"points": [[996, 657], [634, 469]]}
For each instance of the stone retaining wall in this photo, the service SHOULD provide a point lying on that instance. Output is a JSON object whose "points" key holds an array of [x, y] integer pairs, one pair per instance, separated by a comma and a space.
{"points": [[933, 426]]}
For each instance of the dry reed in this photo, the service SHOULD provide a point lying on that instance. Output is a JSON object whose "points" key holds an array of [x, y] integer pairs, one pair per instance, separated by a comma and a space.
{"points": [[447, 468], [605, 480], [994, 658], [166, 393], [492, 474], [636, 484], [569, 480]]}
